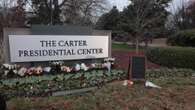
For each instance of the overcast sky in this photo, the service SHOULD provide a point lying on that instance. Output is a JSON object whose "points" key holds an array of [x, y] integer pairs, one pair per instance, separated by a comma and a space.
{"points": [[123, 3]]}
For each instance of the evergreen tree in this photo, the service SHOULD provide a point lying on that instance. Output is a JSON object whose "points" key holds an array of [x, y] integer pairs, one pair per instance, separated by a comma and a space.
{"points": [[110, 21], [140, 18]]}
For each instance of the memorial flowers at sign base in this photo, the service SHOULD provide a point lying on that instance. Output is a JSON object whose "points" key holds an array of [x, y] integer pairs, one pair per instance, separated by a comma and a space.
{"points": [[55, 67]]}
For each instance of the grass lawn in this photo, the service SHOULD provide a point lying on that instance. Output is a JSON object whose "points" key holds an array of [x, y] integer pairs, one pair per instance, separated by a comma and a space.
{"points": [[124, 47], [176, 94]]}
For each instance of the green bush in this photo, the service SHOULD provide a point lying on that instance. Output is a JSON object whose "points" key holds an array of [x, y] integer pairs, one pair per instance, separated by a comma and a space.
{"points": [[183, 38], [178, 57], [169, 73]]}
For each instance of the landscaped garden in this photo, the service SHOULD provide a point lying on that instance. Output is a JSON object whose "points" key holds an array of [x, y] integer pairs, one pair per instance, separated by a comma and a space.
{"points": [[177, 93], [39, 90]]}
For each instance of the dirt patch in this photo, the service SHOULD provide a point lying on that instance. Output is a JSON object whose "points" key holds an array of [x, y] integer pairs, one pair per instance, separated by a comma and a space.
{"points": [[123, 59]]}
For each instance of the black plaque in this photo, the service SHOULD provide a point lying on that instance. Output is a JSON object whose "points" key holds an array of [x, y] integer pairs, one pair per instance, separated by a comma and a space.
{"points": [[137, 67], [2, 103]]}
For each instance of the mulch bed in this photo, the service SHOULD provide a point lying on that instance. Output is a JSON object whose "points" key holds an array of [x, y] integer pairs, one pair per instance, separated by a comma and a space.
{"points": [[123, 59]]}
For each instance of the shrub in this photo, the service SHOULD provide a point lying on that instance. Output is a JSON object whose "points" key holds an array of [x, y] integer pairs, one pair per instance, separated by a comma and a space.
{"points": [[183, 38], [169, 73], [178, 57]]}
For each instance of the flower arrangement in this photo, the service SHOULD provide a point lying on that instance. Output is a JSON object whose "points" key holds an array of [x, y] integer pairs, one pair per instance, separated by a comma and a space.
{"points": [[55, 67], [66, 69]]}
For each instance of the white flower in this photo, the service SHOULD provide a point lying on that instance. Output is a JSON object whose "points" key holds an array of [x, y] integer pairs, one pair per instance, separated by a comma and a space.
{"points": [[47, 69], [10, 67], [6, 72], [107, 65], [15, 71], [77, 67], [57, 63], [31, 87], [109, 59], [63, 68], [22, 71], [84, 67], [150, 84], [7, 66]]}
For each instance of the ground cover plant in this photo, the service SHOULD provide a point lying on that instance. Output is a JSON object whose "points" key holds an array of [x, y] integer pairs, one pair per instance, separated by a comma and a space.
{"points": [[177, 93], [46, 84]]}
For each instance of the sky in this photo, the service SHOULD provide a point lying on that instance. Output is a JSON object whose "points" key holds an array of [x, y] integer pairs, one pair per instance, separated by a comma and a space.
{"points": [[123, 3], [119, 3]]}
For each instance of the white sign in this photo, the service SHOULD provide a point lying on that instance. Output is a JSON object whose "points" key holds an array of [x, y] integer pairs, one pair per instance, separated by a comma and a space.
{"points": [[30, 48]]}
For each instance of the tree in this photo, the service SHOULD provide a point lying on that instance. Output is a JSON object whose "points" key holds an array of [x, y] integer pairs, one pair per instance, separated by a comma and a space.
{"points": [[143, 16], [190, 14], [45, 11], [64, 11], [180, 18], [109, 21], [12, 15], [184, 16]]}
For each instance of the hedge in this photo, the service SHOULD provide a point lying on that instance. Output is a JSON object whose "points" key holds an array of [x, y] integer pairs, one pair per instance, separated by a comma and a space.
{"points": [[184, 38], [169, 73], [178, 57]]}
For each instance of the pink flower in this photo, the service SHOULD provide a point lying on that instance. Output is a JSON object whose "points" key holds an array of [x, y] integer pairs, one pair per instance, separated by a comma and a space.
{"points": [[39, 70], [31, 70], [66, 69]]}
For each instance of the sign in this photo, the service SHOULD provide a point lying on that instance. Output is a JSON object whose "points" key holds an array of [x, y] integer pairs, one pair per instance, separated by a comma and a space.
{"points": [[138, 67], [31, 48]]}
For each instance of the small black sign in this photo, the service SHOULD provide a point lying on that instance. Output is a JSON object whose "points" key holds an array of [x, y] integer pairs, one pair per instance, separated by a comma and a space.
{"points": [[2, 103], [137, 67]]}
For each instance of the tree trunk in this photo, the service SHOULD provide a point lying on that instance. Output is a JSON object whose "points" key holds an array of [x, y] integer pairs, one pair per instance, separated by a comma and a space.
{"points": [[146, 43], [137, 45]]}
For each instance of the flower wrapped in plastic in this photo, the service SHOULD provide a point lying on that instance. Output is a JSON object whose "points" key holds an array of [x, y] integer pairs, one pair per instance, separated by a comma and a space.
{"points": [[111, 60], [38, 70], [47, 69], [107, 65], [10, 67], [31, 71], [77, 67], [57, 63], [22, 71], [84, 67], [66, 69]]}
